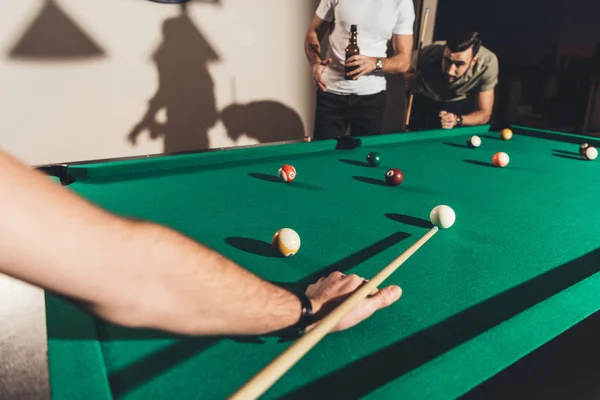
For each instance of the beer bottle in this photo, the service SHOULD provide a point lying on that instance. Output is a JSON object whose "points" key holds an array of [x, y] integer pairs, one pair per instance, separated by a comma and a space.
{"points": [[352, 50]]}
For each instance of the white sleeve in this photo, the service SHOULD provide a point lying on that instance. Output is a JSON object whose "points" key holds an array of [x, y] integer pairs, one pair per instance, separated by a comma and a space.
{"points": [[325, 10], [406, 19]]}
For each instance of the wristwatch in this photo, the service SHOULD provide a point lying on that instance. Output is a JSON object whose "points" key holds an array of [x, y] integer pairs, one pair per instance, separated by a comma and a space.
{"points": [[379, 64], [306, 319], [459, 120]]}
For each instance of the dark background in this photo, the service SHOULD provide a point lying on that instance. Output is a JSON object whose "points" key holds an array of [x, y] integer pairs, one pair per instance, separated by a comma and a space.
{"points": [[549, 52]]}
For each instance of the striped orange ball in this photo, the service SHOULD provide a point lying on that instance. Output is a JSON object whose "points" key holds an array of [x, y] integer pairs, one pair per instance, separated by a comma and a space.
{"points": [[500, 159], [286, 241]]}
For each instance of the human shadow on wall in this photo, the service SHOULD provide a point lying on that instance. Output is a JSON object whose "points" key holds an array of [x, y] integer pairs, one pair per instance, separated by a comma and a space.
{"points": [[186, 94], [185, 89], [53, 35], [265, 121]]}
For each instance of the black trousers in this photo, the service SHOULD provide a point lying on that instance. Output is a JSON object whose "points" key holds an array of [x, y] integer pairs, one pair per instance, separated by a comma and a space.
{"points": [[425, 112], [335, 113]]}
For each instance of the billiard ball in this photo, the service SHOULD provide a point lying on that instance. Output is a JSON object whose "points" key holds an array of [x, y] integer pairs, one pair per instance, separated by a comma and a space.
{"points": [[500, 159], [287, 173], [590, 153], [442, 216], [582, 148], [506, 134], [473, 142], [373, 159], [394, 177], [286, 241]]}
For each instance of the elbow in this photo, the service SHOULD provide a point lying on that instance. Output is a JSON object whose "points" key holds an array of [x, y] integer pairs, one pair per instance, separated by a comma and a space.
{"points": [[481, 117], [487, 117], [401, 67], [149, 302], [145, 313], [128, 314], [404, 67]]}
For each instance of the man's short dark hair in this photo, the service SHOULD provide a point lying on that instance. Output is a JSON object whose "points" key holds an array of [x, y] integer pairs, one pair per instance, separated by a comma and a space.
{"points": [[462, 41]]}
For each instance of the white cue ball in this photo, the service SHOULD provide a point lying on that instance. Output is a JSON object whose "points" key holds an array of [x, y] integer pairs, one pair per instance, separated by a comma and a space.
{"points": [[443, 217], [590, 153], [474, 141]]}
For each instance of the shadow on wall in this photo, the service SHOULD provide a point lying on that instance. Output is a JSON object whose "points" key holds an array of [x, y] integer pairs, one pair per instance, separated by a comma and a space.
{"points": [[185, 89], [265, 121], [53, 35], [183, 108], [186, 94]]}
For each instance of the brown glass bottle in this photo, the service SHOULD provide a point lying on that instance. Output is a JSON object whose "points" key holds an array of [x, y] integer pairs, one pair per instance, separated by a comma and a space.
{"points": [[352, 50]]}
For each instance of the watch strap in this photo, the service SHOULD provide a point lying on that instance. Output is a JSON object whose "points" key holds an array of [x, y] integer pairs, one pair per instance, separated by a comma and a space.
{"points": [[306, 318]]}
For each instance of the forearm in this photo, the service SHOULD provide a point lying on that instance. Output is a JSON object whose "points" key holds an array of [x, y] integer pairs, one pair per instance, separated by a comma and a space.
{"points": [[130, 273], [477, 117], [192, 289], [312, 48], [398, 64]]}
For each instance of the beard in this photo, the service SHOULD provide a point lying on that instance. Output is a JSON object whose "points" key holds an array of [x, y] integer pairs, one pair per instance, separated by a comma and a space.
{"points": [[451, 79]]}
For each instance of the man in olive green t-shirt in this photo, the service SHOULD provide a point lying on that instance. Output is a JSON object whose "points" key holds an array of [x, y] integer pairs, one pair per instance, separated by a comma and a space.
{"points": [[454, 84]]}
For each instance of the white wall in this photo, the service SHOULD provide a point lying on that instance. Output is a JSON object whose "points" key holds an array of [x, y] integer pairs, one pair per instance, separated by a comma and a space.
{"points": [[62, 109]]}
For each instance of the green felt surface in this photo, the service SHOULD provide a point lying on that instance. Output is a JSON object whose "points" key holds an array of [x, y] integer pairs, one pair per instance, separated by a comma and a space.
{"points": [[517, 269]]}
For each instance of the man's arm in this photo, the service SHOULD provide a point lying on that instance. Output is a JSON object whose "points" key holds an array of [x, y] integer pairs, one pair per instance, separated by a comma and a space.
{"points": [[485, 104], [312, 42], [397, 64], [484, 99], [312, 49], [141, 274], [400, 62]]}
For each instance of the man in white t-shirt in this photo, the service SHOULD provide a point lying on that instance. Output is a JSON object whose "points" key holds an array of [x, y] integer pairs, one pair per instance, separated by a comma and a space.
{"points": [[359, 102]]}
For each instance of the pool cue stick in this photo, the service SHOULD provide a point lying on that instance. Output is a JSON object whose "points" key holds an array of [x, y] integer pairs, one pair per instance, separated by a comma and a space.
{"points": [[280, 365], [421, 40]]}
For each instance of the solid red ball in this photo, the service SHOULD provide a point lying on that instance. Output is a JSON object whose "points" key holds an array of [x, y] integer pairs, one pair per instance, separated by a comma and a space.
{"points": [[394, 177]]}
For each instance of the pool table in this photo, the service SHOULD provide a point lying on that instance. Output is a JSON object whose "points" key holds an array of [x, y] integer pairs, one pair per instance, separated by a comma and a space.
{"points": [[518, 268]]}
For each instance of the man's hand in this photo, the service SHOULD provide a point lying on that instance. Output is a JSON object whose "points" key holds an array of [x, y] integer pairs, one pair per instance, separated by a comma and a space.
{"points": [[448, 120], [327, 293], [364, 64], [397, 64], [317, 73]]}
